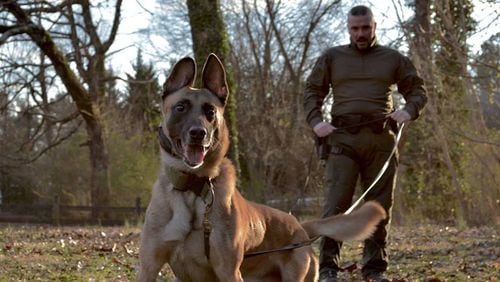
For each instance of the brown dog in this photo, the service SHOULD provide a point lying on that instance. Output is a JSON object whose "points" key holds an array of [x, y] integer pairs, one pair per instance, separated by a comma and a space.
{"points": [[198, 222]]}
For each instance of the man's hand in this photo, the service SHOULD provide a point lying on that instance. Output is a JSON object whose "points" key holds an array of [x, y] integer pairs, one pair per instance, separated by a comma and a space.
{"points": [[323, 129], [400, 116]]}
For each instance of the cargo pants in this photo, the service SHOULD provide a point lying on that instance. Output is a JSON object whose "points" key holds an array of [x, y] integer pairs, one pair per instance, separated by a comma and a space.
{"points": [[352, 156]]}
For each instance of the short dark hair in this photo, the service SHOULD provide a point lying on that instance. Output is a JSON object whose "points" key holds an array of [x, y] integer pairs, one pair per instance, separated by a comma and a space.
{"points": [[360, 10]]}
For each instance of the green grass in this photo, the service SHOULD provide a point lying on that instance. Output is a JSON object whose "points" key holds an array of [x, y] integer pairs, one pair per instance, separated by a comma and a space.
{"points": [[424, 253]]}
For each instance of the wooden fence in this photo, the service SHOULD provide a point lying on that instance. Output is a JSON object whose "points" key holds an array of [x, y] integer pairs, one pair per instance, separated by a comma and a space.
{"points": [[57, 213], [60, 214]]}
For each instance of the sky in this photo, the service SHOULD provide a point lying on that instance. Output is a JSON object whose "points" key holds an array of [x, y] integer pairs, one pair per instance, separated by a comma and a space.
{"points": [[136, 14]]}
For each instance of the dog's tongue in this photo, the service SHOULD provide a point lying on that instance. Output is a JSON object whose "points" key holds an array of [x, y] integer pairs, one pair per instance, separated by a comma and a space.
{"points": [[194, 154]]}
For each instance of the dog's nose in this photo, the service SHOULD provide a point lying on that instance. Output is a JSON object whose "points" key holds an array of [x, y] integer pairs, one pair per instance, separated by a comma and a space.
{"points": [[197, 133]]}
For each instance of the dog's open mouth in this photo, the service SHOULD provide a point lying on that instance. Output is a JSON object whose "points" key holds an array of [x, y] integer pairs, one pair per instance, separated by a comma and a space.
{"points": [[194, 154]]}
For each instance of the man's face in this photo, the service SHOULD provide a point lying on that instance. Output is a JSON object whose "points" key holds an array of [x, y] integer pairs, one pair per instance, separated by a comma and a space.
{"points": [[362, 30]]}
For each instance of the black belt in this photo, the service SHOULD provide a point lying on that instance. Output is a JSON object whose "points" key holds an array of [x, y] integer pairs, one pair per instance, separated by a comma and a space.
{"points": [[354, 122]]}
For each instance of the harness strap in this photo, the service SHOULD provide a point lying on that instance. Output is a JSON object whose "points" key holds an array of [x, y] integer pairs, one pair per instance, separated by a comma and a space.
{"points": [[285, 248], [207, 226]]}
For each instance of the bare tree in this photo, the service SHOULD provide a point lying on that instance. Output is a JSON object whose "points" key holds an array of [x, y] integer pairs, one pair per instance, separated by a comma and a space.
{"points": [[273, 43], [74, 23], [295, 56]]}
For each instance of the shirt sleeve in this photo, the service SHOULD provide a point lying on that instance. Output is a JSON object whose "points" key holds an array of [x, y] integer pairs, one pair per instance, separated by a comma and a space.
{"points": [[317, 87], [411, 86]]}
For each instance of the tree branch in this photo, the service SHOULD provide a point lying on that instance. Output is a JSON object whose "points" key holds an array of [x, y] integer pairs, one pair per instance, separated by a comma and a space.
{"points": [[42, 38], [272, 16], [9, 31], [89, 25], [114, 28], [76, 43]]}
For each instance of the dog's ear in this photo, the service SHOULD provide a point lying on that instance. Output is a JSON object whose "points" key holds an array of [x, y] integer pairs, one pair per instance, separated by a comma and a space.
{"points": [[214, 78], [182, 74]]}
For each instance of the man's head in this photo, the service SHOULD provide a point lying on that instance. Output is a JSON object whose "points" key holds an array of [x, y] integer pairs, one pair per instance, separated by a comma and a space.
{"points": [[361, 26]]}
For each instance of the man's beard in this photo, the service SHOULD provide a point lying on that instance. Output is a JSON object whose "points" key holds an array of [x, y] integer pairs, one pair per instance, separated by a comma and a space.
{"points": [[362, 43]]}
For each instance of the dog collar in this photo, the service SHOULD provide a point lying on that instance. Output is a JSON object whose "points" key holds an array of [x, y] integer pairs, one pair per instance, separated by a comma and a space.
{"points": [[184, 181]]}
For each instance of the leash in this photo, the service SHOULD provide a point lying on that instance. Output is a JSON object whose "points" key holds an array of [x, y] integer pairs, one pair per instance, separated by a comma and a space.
{"points": [[380, 173], [285, 248], [207, 228], [377, 178]]}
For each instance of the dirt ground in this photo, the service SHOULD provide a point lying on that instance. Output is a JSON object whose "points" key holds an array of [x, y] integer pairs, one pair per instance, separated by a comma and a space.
{"points": [[437, 253], [423, 253]]}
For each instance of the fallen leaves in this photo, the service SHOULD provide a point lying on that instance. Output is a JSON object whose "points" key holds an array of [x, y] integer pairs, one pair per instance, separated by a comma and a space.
{"points": [[424, 253], [69, 253], [432, 253]]}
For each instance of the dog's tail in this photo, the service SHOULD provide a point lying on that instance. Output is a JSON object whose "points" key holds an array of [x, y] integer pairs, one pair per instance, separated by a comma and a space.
{"points": [[358, 225]]}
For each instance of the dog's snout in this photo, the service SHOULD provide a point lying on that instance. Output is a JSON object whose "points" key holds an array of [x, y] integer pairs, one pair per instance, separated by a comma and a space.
{"points": [[197, 133]]}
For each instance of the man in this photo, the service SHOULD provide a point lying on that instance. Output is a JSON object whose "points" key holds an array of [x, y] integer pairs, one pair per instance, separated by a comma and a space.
{"points": [[362, 132]]}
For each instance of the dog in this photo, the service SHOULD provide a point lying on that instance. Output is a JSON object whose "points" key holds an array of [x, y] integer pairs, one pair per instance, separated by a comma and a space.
{"points": [[198, 222]]}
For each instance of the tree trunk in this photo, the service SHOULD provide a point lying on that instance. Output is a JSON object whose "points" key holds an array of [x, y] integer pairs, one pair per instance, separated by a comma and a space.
{"points": [[209, 35], [99, 177], [422, 48], [99, 183]]}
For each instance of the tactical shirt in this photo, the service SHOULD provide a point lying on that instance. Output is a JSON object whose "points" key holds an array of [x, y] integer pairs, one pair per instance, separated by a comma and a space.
{"points": [[362, 82]]}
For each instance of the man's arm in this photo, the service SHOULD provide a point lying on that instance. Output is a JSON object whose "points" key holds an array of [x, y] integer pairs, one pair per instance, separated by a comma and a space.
{"points": [[317, 87], [411, 86]]}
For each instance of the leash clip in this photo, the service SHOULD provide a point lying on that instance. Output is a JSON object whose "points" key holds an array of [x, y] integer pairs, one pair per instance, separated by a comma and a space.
{"points": [[209, 191]]}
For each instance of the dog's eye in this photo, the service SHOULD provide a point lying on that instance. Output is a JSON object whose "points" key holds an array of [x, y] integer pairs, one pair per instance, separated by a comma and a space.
{"points": [[180, 107], [209, 111]]}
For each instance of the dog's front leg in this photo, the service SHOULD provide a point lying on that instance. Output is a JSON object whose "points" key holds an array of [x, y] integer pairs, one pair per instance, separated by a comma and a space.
{"points": [[226, 260], [151, 260], [228, 271]]}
